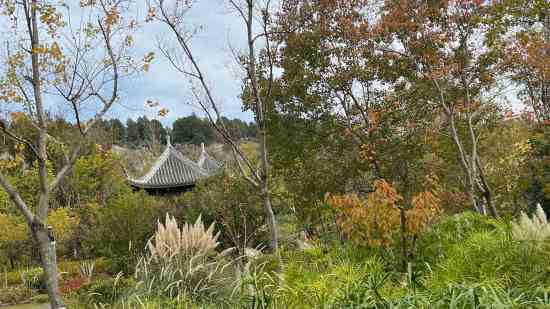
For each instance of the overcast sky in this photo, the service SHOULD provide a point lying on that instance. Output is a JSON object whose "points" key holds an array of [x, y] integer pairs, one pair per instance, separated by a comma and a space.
{"points": [[221, 30]]}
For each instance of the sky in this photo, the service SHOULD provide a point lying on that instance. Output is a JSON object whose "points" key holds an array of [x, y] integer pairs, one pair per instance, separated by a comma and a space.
{"points": [[221, 30]]}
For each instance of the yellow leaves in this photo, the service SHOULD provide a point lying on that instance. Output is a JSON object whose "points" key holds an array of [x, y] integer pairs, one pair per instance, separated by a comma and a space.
{"points": [[55, 51], [64, 223], [50, 17], [12, 229], [7, 7], [129, 40], [163, 112], [16, 59], [145, 67], [147, 59]]}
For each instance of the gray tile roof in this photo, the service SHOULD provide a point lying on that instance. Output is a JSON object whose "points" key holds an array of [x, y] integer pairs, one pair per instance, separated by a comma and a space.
{"points": [[211, 165], [172, 169]]}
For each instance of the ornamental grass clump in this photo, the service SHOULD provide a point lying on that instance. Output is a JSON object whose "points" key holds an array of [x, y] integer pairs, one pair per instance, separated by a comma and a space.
{"points": [[535, 228], [183, 262], [190, 240]]}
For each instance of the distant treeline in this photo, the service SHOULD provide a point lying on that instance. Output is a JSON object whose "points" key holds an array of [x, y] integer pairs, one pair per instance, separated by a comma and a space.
{"points": [[186, 130]]}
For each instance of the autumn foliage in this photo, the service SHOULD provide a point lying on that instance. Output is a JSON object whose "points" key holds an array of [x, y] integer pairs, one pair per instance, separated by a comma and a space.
{"points": [[375, 219]]}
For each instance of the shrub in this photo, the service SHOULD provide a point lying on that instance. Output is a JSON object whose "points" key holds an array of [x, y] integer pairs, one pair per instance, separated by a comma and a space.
{"points": [[123, 228], [493, 257], [322, 276], [437, 242], [72, 284], [12, 278], [105, 291], [15, 294], [33, 278], [191, 240]]}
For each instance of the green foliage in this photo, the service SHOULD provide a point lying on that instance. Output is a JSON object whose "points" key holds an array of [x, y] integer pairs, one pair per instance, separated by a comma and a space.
{"points": [[195, 130], [96, 178], [33, 278], [494, 257], [120, 230], [449, 231], [234, 205], [105, 290], [15, 295]]}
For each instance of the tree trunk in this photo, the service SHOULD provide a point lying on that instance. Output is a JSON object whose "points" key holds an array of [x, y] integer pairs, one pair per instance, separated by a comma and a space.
{"points": [[262, 134], [48, 257], [403, 222], [271, 221]]}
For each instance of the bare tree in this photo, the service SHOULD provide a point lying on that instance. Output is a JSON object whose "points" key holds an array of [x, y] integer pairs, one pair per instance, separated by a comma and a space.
{"points": [[50, 62], [255, 18]]}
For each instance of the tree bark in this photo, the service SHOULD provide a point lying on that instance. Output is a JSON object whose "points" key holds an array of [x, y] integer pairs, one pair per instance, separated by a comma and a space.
{"points": [[403, 221], [48, 257]]}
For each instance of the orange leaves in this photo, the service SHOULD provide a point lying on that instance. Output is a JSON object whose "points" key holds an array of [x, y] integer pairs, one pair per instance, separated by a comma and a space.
{"points": [[375, 221], [151, 14], [372, 222], [86, 3], [425, 207], [112, 17]]}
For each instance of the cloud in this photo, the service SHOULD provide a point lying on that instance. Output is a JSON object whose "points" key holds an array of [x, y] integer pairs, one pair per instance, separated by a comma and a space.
{"points": [[219, 29]]}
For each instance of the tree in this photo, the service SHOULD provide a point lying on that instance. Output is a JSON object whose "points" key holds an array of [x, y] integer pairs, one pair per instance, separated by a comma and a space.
{"points": [[340, 97], [117, 130], [375, 219], [192, 129], [132, 132], [172, 15], [46, 54], [438, 40], [520, 32]]}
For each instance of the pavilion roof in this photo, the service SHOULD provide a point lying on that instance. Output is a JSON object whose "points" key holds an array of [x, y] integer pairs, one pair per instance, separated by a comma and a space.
{"points": [[173, 169]]}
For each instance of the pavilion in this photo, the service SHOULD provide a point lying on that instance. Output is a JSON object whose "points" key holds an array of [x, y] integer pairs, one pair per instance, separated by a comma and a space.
{"points": [[174, 173]]}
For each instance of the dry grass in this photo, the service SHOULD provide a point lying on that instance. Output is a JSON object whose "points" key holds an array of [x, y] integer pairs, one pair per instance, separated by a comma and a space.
{"points": [[535, 228], [191, 239]]}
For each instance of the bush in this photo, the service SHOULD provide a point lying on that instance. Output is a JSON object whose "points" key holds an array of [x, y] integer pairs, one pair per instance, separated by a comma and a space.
{"points": [[105, 291], [15, 294], [494, 257], [436, 243], [33, 278], [123, 229], [322, 276], [12, 278]]}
